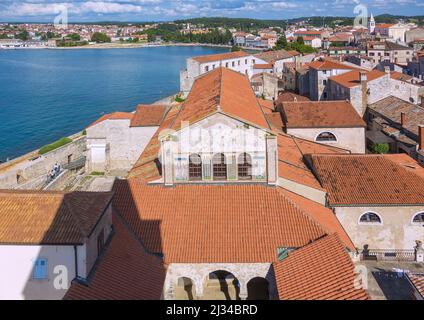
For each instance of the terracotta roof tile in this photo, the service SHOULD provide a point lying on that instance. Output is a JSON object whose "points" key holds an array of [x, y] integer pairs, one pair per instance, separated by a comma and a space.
{"points": [[290, 97], [263, 66], [147, 167], [35, 217], [321, 114], [125, 272], [225, 90], [221, 56], [391, 109], [274, 56], [324, 216], [319, 271], [417, 281], [352, 79], [114, 116], [203, 227], [291, 163], [367, 180], [148, 115], [400, 76], [329, 65]]}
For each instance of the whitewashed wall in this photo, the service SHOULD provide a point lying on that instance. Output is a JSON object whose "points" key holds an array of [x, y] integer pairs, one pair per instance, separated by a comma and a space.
{"points": [[352, 139]]}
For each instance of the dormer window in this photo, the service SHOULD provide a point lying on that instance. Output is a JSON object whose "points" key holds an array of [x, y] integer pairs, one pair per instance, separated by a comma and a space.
{"points": [[245, 167], [219, 167], [195, 167]]}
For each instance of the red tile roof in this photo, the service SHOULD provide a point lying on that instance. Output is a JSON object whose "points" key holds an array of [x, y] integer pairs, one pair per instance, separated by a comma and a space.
{"points": [[203, 227], [114, 116], [35, 217], [263, 66], [329, 65], [148, 115], [417, 281], [221, 56], [400, 76], [319, 271], [352, 79], [290, 97], [324, 216], [367, 180], [225, 90], [125, 272], [291, 165], [147, 167], [321, 114], [274, 56]]}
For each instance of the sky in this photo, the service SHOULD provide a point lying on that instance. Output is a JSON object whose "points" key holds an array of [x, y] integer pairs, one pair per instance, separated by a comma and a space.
{"points": [[168, 10]]}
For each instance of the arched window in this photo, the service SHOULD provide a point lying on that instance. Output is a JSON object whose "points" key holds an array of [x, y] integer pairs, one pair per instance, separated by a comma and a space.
{"points": [[370, 217], [418, 218], [195, 167], [245, 166], [326, 137], [219, 167]]}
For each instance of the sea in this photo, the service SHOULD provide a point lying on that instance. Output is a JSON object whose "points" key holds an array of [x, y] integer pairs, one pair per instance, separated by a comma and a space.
{"points": [[49, 94]]}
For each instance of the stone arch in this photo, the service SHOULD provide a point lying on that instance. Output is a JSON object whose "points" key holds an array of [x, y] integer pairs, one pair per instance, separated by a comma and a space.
{"points": [[195, 167], [258, 289], [222, 285], [185, 289], [244, 166], [219, 166]]}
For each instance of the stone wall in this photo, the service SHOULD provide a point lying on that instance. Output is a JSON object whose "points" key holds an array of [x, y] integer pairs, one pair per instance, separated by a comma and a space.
{"points": [[199, 275], [30, 172], [352, 139], [396, 231], [114, 145]]}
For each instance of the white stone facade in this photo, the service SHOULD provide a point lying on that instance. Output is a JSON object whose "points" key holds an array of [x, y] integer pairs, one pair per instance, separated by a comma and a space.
{"points": [[16, 270], [113, 145], [243, 65], [352, 139], [397, 230]]}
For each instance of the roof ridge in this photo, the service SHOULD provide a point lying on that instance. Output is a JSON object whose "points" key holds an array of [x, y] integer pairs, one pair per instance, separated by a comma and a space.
{"points": [[307, 215]]}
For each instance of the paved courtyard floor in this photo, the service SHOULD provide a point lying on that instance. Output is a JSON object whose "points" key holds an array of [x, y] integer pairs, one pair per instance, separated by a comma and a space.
{"points": [[387, 280]]}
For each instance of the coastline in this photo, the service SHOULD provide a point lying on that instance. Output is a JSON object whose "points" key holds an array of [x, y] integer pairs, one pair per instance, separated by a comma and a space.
{"points": [[4, 166], [132, 46]]}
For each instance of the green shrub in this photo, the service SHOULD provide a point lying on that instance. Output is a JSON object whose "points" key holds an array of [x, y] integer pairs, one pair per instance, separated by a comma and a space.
{"points": [[97, 173], [179, 99], [381, 148], [54, 145], [84, 133]]}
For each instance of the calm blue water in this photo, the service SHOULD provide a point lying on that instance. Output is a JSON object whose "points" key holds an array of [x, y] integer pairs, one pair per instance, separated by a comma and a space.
{"points": [[49, 94]]}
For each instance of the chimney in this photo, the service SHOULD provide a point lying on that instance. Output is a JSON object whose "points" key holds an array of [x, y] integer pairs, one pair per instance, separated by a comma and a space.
{"points": [[387, 69], [364, 90], [421, 137], [403, 119], [272, 159], [362, 76]]}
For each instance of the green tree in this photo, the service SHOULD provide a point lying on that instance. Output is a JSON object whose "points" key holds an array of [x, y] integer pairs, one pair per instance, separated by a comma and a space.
{"points": [[381, 148], [300, 40], [74, 36], [24, 36], [100, 37], [235, 49], [281, 43], [3, 36]]}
